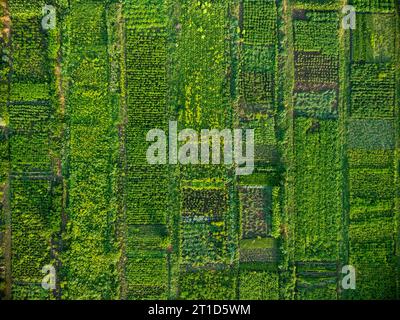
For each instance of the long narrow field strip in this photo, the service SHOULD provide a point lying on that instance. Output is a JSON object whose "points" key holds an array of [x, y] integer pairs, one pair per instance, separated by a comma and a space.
{"points": [[207, 232], [146, 267], [258, 193], [91, 248], [372, 135], [317, 219], [35, 186]]}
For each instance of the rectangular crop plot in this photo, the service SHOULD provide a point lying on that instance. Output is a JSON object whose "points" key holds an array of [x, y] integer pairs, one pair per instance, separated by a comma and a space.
{"points": [[258, 91], [374, 38], [372, 90], [29, 44], [315, 71], [371, 185], [208, 285], [255, 285], [370, 158], [203, 243], [209, 203], [257, 58], [316, 31], [32, 117], [259, 22], [31, 225], [30, 153], [253, 251], [371, 134], [316, 4], [30, 92], [321, 104], [317, 190], [256, 203], [374, 5], [146, 237], [147, 276], [203, 225]]}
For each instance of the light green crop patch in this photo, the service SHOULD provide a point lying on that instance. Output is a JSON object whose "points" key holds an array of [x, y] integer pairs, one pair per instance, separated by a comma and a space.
{"points": [[372, 134]]}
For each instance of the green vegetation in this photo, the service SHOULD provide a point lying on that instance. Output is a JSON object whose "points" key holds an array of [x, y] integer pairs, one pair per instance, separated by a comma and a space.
{"points": [[372, 90], [372, 143], [207, 285], [77, 192], [373, 39], [258, 286], [146, 267], [374, 5], [318, 217], [90, 260]]}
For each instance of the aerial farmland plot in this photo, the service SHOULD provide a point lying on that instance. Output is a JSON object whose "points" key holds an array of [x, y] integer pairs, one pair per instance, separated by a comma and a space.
{"points": [[199, 150]]}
